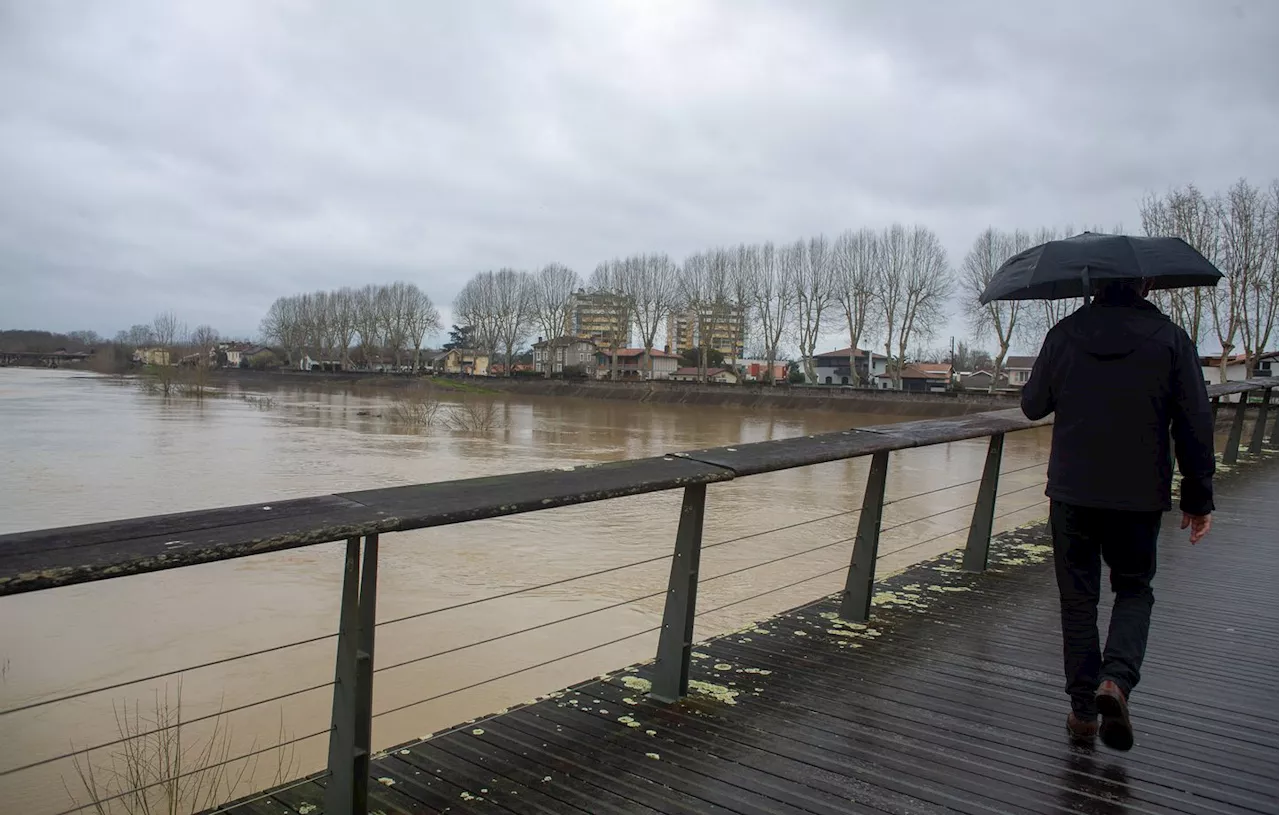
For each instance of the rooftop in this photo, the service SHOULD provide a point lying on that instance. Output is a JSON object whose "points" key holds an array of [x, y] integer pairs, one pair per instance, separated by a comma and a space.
{"points": [[844, 352], [628, 353]]}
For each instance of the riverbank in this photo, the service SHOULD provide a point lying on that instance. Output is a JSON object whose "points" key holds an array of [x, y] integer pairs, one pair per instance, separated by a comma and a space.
{"points": [[755, 397]]}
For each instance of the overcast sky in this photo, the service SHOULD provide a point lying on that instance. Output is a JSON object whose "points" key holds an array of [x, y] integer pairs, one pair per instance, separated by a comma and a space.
{"points": [[209, 157]]}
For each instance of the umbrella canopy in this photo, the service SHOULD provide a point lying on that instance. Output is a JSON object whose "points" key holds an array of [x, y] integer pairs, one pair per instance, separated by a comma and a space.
{"points": [[1065, 268]]}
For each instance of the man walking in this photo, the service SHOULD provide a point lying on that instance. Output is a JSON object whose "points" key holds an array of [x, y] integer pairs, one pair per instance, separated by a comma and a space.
{"points": [[1120, 377]]}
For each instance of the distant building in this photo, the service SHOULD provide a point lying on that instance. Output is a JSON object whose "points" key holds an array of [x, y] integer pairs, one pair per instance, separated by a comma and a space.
{"points": [[922, 377], [1017, 370], [974, 380], [601, 317], [308, 363], [229, 354], [464, 361], [498, 369], [723, 376], [722, 329], [151, 356], [258, 356], [552, 357], [757, 370], [631, 364], [832, 367]]}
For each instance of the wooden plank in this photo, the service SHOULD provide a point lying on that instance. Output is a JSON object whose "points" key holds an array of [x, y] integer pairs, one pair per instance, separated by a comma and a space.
{"points": [[450, 502], [513, 760], [176, 524], [781, 454], [68, 565], [31, 561], [506, 759]]}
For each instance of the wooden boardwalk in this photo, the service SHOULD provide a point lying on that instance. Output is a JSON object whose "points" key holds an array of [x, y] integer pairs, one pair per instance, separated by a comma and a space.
{"points": [[950, 701]]}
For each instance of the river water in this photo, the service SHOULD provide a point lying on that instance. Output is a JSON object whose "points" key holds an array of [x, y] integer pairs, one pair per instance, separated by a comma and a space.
{"points": [[77, 448]]}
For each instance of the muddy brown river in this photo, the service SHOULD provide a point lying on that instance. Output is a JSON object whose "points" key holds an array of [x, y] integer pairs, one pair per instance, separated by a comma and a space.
{"points": [[78, 448]]}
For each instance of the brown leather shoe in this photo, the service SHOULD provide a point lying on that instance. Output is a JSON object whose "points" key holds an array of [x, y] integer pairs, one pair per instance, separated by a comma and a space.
{"points": [[1116, 729], [1081, 730]]}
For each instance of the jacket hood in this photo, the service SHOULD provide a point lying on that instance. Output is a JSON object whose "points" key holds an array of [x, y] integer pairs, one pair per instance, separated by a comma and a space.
{"points": [[1113, 331]]}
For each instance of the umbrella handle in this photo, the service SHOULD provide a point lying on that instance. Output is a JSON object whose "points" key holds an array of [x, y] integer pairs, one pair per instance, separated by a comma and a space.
{"points": [[1084, 279]]}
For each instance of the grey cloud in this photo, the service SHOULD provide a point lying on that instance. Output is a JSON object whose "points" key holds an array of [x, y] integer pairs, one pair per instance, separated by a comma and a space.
{"points": [[211, 157]]}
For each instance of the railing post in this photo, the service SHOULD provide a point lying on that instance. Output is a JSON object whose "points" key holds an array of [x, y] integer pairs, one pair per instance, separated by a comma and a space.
{"points": [[1232, 453], [1275, 433], [984, 509], [351, 731], [1260, 427], [671, 671], [855, 605], [1213, 407]]}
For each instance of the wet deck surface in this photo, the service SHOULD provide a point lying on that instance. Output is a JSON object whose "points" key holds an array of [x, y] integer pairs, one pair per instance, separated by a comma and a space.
{"points": [[950, 701]]}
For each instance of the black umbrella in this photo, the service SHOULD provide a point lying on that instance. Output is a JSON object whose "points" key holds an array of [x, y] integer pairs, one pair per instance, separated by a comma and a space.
{"points": [[1066, 268]]}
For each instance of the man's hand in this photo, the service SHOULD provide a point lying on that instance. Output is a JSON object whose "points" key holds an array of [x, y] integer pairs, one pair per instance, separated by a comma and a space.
{"points": [[1200, 526]]}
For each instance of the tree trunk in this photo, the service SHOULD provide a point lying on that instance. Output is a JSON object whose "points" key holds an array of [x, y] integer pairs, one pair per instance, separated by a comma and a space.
{"points": [[854, 379], [997, 365], [889, 367]]}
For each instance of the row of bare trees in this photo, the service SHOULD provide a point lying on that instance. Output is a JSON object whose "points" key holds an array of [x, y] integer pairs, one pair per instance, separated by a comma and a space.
{"points": [[371, 326], [169, 333], [892, 284], [1237, 231]]}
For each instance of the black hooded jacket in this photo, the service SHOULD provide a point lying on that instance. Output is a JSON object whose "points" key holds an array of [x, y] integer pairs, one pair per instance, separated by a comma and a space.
{"points": [[1119, 377]]}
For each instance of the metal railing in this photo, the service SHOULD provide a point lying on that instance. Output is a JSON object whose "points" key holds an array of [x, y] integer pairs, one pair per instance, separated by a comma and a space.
{"points": [[43, 559]]}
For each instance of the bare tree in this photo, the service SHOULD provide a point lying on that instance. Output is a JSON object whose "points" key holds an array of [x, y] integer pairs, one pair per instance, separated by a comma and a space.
{"points": [[1243, 220], [166, 329], [476, 308], [344, 304], [927, 288], [706, 291], [912, 284], [514, 295], [889, 285], [651, 284], [815, 294], [1248, 239], [1259, 302], [137, 336], [854, 262], [282, 326], [1185, 213], [554, 286], [421, 319], [369, 324], [772, 298], [999, 318], [609, 280], [393, 310], [205, 340]]}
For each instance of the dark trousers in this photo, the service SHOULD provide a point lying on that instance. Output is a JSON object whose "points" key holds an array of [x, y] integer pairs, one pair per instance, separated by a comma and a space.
{"points": [[1082, 538]]}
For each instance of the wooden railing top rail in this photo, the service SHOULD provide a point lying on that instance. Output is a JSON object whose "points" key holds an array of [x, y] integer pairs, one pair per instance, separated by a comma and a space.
{"points": [[48, 558]]}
